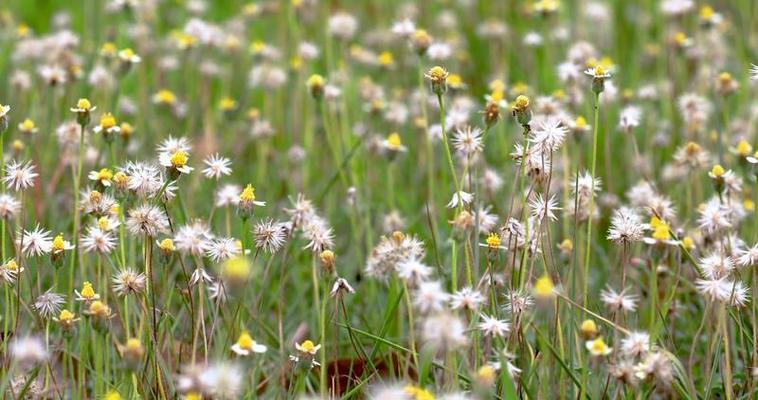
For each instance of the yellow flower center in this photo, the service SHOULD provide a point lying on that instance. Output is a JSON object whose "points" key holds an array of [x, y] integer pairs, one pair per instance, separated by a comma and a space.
{"points": [[248, 194], [66, 317], [599, 70], [27, 125], [83, 104], [87, 291], [744, 148], [127, 54], [245, 341], [522, 102], [105, 175], [227, 104], [589, 327], [120, 177], [236, 269], [725, 78], [179, 159], [166, 245], [308, 347], [95, 196], [680, 38], [58, 243], [98, 308], [493, 240], [165, 97], [103, 223], [497, 95], [133, 344], [661, 232], [688, 243], [748, 205], [717, 171], [315, 81], [706, 12], [599, 346], [107, 121], [393, 140], [11, 265], [580, 122], [438, 74], [544, 286], [112, 395], [386, 58]]}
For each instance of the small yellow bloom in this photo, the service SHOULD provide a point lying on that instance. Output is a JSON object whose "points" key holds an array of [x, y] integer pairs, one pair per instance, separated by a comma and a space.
{"points": [[717, 171], [493, 240], [27, 126], [66, 317], [386, 59], [166, 245], [179, 159], [706, 13], [521, 103], [307, 347], [248, 194], [113, 395], [84, 104], [598, 347], [580, 122], [418, 393], [164, 96], [688, 243], [236, 270], [87, 291], [437, 74], [227, 104], [107, 121], [394, 142], [743, 148], [588, 328], [544, 287], [485, 375], [748, 205], [108, 49]]}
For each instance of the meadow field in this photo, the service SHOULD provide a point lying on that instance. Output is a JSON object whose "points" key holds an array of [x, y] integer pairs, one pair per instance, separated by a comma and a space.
{"points": [[387, 200]]}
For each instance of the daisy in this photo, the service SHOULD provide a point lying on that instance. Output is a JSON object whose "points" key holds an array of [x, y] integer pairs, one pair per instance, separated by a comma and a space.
{"points": [[247, 200], [19, 176], [246, 345], [598, 348], [103, 176], [217, 166], [87, 294], [107, 126], [176, 161]]}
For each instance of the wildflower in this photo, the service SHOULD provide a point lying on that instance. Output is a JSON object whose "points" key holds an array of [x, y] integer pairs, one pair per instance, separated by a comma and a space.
{"points": [[9, 207], [87, 294], [222, 249], [27, 126], [175, 162], [98, 240], [164, 97], [468, 141], [66, 319], [618, 301], [725, 84], [28, 351], [9, 271], [340, 287], [222, 380], [108, 126], [444, 332], [493, 241], [319, 234], [598, 74], [306, 353], [132, 351], [270, 235], [19, 176], [493, 327], [217, 166], [636, 344], [542, 208], [393, 144], [128, 281], [316, 84], [588, 329], [598, 348], [438, 77], [236, 270], [429, 297], [327, 258], [520, 109], [544, 288], [413, 271], [246, 345], [48, 304], [753, 73], [102, 177], [418, 393], [626, 226], [420, 41], [147, 220], [99, 310], [460, 199], [247, 200], [128, 56], [4, 110], [34, 243]]}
